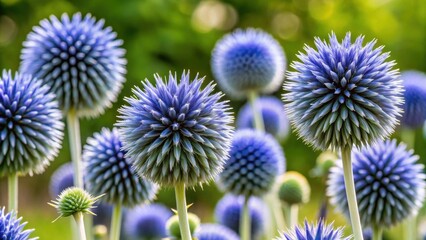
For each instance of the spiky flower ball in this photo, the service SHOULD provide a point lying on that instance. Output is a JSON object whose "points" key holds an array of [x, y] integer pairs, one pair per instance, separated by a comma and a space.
{"points": [[12, 228], [30, 125], [293, 188], [176, 132], [389, 184], [314, 231], [147, 222], [79, 59], [414, 114], [215, 232], [173, 228], [255, 160], [108, 171], [61, 179], [273, 113], [343, 94], [228, 211], [248, 60]]}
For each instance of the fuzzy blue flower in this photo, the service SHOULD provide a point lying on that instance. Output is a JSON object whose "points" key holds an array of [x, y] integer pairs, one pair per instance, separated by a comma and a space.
{"points": [[215, 232], [30, 125], [273, 113], [176, 132], [248, 60], [147, 222], [414, 114], [389, 184], [108, 171], [79, 59], [310, 231], [228, 211], [343, 94], [11, 228], [61, 179], [255, 160]]}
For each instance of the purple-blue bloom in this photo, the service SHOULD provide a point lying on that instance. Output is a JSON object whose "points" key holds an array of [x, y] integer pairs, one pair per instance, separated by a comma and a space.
{"points": [[414, 114], [79, 59], [61, 179], [215, 232], [318, 231], [389, 184], [11, 227]]}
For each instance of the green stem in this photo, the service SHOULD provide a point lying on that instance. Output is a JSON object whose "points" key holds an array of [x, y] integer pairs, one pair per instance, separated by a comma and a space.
{"points": [[13, 192], [378, 232], [78, 217], [182, 212], [75, 147], [351, 194], [245, 221], [116, 222], [257, 114], [294, 214], [275, 209]]}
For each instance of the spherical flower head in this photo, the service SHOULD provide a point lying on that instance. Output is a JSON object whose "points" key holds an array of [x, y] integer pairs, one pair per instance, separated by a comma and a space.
{"points": [[343, 94], [173, 228], [255, 160], [147, 222], [80, 61], [61, 179], [273, 113], [389, 184], [12, 228], [248, 60], [176, 132], [215, 232], [228, 211], [414, 114], [30, 125], [314, 231], [293, 188], [108, 171]]}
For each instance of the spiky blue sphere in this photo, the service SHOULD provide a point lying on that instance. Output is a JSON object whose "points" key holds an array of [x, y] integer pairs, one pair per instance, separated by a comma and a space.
{"points": [[389, 183], [11, 227], [255, 160], [30, 125], [61, 179], [215, 232], [343, 94], [414, 114], [228, 211], [108, 171], [248, 60], [314, 231], [147, 222], [176, 132], [273, 113], [79, 59]]}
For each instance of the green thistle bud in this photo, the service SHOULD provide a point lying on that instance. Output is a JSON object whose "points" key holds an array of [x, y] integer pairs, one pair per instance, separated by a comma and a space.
{"points": [[293, 188], [325, 161], [173, 228]]}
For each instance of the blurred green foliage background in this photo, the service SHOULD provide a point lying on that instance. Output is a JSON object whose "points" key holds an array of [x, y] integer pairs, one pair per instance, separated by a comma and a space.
{"points": [[166, 35]]}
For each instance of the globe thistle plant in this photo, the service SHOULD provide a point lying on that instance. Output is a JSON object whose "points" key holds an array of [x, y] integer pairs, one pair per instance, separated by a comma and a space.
{"points": [[176, 133], [318, 231], [12, 228], [61, 179], [215, 232], [415, 99], [147, 222]]}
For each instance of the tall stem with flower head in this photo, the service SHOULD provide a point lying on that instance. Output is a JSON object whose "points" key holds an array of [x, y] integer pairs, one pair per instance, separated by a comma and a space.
{"points": [[75, 147], [245, 220], [257, 114], [13, 192], [116, 222], [78, 217], [182, 211]]}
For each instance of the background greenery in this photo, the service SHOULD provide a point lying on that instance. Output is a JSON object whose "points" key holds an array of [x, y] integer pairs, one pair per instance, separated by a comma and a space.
{"points": [[166, 35]]}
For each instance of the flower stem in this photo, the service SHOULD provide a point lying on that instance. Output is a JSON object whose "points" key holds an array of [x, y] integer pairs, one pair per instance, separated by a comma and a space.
{"points": [[75, 147], [245, 221], [116, 222], [378, 232], [182, 211], [257, 115], [278, 223], [13, 192], [351, 194], [294, 214], [78, 217]]}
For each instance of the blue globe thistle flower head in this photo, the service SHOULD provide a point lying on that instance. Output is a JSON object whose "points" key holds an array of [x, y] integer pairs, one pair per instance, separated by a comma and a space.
{"points": [[61, 179], [318, 231], [389, 183], [228, 211], [255, 160], [215, 232], [343, 94], [108, 171], [176, 132], [273, 113], [12, 228], [79, 59], [30, 125], [414, 114], [248, 60], [147, 222]]}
